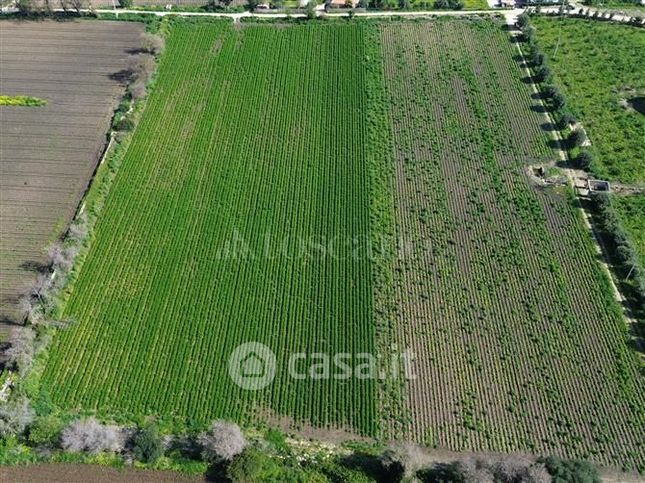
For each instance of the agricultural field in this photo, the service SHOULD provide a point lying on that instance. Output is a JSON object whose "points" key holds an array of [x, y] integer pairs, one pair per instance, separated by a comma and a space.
{"points": [[248, 207], [598, 66], [49, 152], [519, 344], [240, 177]]}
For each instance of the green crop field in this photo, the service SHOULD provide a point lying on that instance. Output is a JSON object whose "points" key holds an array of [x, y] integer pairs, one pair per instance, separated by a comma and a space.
{"points": [[252, 144], [270, 164]]}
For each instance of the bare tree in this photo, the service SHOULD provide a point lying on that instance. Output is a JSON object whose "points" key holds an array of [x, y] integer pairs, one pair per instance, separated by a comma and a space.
{"points": [[137, 90], [475, 471], [91, 436], [78, 230], [222, 441], [77, 5], [153, 44], [15, 417], [21, 350], [404, 458]]}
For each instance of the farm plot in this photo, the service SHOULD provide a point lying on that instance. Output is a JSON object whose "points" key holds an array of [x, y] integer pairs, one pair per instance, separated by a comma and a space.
{"points": [[48, 153], [236, 216], [598, 65], [519, 344]]}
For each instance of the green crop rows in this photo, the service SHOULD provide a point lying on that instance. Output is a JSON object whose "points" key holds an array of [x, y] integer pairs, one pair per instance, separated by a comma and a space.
{"points": [[419, 133], [252, 143]]}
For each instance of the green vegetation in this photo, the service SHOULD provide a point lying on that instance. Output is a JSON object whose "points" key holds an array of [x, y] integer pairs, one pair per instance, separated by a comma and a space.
{"points": [[237, 162], [21, 101], [499, 292], [631, 210], [254, 190], [598, 68]]}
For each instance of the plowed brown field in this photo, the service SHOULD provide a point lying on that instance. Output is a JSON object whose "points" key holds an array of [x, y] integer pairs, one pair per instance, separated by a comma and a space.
{"points": [[48, 153]]}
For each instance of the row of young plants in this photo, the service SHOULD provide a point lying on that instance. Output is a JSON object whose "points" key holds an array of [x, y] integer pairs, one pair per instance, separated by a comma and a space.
{"points": [[620, 247]]}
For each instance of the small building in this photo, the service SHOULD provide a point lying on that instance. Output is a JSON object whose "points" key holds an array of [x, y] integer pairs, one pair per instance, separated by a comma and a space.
{"points": [[598, 185]]}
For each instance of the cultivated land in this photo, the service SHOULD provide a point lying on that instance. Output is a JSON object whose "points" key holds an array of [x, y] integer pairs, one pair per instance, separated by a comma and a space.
{"points": [[599, 67], [519, 343], [48, 153], [245, 151], [237, 162]]}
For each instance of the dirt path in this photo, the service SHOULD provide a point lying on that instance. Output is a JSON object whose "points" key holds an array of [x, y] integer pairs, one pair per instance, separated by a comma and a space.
{"points": [[82, 473]]}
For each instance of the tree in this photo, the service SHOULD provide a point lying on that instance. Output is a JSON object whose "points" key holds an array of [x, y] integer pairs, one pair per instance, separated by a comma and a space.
{"points": [[528, 33], [564, 471], [310, 9], [565, 119], [77, 5], [155, 44], [25, 7], [147, 444], [523, 20], [576, 138], [403, 460], [91, 436], [46, 430], [537, 58], [125, 3], [448, 4], [21, 349], [222, 441], [584, 159], [252, 4], [558, 100], [543, 73], [15, 417], [253, 465]]}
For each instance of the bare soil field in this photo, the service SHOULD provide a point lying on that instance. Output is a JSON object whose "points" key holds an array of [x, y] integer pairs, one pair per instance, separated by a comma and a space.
{"points": [[48, 154], [519, 344], [82, 473]]}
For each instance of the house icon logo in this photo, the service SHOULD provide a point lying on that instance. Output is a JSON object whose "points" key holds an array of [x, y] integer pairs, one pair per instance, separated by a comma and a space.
{"points": [[252, 366]]}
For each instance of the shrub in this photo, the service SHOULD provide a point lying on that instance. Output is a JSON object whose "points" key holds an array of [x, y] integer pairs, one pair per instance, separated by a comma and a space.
{"points": [[91, 436], [543, 73], [402, 460], [523, 20], [125, 3], [565, 471], [252, 466], [576, 138], [222, 441], [124, 124], [565, 119], [584, 159], [46, 430], [147, 444]]}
